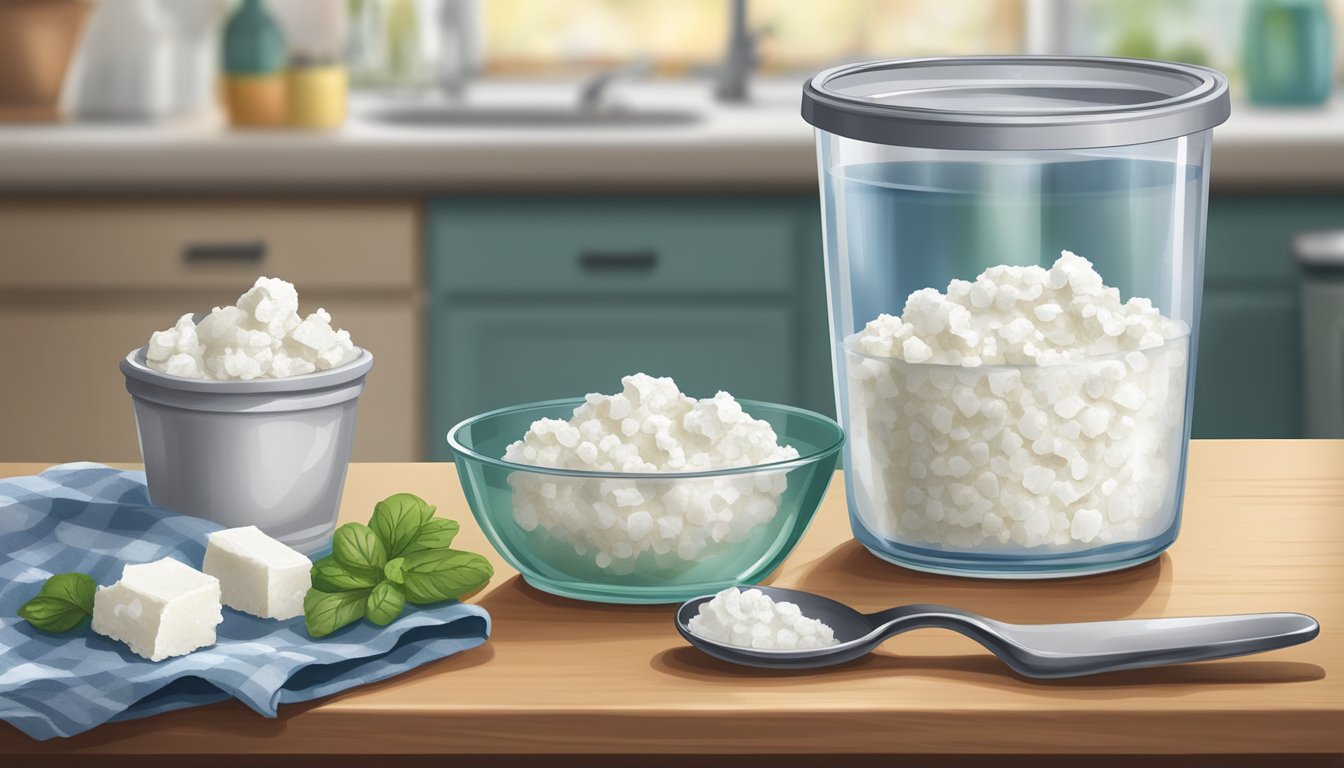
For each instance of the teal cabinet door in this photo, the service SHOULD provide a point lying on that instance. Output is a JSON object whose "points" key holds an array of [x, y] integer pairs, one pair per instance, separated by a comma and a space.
{"points": [[1248, 381], [547, 297], [1250, 239], [486, 357]]}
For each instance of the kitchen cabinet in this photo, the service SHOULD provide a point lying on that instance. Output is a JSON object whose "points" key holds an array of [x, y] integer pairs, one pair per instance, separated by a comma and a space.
{"points": [[1247, 382], [527, 298], [535, 299], [1249, 377], [562, 294], [538, 352], [84, 282]]}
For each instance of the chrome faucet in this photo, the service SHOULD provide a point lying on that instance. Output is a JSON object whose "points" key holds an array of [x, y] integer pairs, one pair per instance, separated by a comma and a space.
{"points": [[741, 57], [593, 92]]}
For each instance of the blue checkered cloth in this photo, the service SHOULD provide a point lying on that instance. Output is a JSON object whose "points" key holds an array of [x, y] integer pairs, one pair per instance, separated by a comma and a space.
{"points": [[94, 519]]}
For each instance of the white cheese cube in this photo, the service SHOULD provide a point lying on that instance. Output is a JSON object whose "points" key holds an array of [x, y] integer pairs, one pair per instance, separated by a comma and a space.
{"points": [[257, 574], [159, 609]]}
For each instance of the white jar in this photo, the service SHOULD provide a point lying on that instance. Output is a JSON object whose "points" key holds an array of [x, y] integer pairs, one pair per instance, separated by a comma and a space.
{"points": [[124, 71]]}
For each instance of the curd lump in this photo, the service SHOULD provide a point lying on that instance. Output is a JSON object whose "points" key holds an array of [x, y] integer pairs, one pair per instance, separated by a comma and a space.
{"points": [[1029, 408], [262, 336], [649, 427], [752, 619]]}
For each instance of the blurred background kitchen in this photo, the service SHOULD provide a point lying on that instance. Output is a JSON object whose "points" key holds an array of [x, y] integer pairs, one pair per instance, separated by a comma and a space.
{"points": [[511, 200]]}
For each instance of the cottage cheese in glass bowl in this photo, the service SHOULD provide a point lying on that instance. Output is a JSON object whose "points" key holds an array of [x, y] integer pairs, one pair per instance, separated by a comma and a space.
{"points": [[647, 495]]}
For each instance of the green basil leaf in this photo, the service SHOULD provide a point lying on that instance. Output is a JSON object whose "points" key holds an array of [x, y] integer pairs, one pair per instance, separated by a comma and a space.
{"points": [[385, 604], [63, 603], [443, 574], [51, 614], [76, 588], [394, 571], [356, 547], [437, 533], [326, 612], [330, 576], [397, 521]]}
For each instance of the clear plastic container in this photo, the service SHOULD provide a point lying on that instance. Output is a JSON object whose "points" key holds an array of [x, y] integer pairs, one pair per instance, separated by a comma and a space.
{"points": [[935, 170]]}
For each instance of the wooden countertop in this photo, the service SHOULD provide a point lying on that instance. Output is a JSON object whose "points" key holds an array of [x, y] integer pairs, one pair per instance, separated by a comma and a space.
{"points": [[1264, 531]]}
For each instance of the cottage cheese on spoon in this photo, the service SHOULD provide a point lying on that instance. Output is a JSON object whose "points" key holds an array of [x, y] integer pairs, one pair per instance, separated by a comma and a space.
{"points": [[752, 619]]}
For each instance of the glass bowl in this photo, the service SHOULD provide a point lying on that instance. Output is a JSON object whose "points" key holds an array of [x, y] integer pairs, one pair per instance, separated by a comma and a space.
{"points": [[568, 532]]}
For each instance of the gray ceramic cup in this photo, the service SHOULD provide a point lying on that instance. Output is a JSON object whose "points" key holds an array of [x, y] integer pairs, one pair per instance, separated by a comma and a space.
{"points": [[266, 452]]}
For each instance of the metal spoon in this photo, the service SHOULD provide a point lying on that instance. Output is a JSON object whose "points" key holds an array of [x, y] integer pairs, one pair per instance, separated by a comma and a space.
{"points": [[1031, 650]]}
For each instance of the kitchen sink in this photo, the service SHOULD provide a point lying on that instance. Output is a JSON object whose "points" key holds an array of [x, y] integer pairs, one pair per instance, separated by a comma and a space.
{"points": [[427, 116]]}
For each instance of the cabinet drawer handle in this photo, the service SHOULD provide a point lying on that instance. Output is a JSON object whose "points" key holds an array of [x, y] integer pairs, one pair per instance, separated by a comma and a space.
{"points": [[224, 252], [618, 261]]}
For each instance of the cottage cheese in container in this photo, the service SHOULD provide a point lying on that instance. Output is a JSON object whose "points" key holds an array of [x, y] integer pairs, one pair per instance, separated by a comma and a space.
{"points": [[649, 427], [1030, 408], [262, 336]]}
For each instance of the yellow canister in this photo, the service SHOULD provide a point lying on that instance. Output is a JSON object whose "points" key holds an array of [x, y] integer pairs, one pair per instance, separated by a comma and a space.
{"points": [[317, 95]]}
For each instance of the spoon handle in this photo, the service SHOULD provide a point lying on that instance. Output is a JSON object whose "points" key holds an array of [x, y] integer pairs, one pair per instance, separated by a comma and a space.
{"points": [[1068, 650]]}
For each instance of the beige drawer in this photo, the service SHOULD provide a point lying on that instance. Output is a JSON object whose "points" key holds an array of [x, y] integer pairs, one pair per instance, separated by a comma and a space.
{"points": [[65, 399], [149, 245]]}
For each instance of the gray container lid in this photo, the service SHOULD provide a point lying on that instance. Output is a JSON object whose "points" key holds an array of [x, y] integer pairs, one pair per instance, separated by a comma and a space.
{"points": [[1015, 102]]}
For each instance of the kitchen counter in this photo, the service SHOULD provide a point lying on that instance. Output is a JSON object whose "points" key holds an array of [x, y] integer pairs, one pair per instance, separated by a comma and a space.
{"points": [[763, 146], [1263, 532]]}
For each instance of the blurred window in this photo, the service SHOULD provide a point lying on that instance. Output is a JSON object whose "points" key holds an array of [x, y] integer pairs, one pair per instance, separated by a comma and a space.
{"points": [[1204, 32], [1207, 32], [398, 39], [686, 36]]}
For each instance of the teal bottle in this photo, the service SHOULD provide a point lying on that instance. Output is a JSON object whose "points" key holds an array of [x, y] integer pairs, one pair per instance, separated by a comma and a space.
{"points": [[1289, 52], [253, 41], [254, 67]]}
